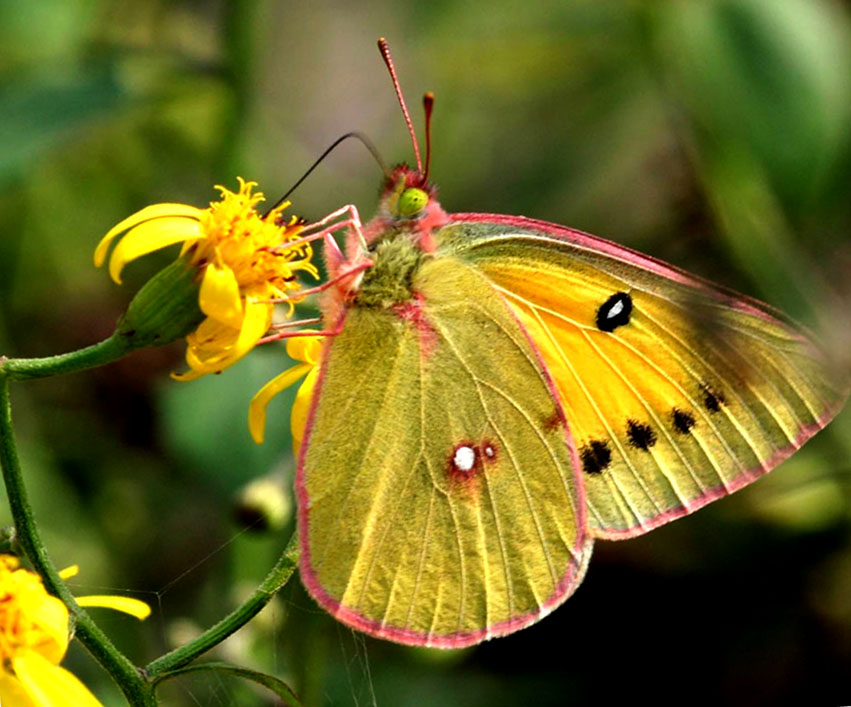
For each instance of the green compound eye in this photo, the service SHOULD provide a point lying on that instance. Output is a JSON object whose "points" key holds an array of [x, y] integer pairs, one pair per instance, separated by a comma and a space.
{"points": [[411, 202]]}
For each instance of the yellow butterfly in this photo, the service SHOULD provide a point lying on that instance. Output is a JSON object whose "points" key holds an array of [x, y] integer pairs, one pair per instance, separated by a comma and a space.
{"points": [[501, 392]]}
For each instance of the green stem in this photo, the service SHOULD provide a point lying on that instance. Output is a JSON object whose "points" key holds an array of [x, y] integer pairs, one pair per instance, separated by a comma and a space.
{"points": [[163, 310], [277, 578], [111, 349], [136, 689]]}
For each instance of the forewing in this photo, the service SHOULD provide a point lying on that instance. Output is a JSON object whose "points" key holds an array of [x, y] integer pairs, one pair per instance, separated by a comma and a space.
{"points": [[403, 535], [676, 392]]}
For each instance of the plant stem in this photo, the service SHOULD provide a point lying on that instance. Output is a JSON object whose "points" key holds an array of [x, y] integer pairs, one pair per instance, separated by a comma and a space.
{"points": [[136, 689], [98, 354], [277, 578]]}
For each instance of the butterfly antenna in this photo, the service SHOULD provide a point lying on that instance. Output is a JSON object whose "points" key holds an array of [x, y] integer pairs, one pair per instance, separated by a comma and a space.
{"points": [[384, 48], [364, 140], [428, 104]]}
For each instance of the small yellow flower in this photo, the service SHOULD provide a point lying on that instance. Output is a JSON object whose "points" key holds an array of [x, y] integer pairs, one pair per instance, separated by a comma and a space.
{"points": [[34, 638], [244, 259], [308, 350]]}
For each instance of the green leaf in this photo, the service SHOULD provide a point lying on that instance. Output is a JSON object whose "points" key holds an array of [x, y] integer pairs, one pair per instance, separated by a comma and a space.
{"points": [[279, 687]]}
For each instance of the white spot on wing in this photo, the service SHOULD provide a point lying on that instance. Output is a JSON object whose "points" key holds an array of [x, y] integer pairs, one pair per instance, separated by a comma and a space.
{"points": [[616, 309], [465, 458]]}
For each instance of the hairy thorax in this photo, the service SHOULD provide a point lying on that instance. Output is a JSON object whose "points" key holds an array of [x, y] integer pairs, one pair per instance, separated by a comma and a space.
{"points": [[389, 282]]}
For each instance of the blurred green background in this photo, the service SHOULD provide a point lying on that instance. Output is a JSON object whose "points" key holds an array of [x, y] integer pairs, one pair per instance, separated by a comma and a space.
{"points": [[712, 134]]}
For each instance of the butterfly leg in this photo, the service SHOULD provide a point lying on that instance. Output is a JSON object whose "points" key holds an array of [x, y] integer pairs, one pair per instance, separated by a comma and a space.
{"points": [[297, 323], [353, 222], [350, 272], [277, 336]]}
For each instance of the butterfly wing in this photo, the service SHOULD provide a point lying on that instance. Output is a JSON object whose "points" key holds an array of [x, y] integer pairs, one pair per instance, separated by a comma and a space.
{"points": [[676, 392], [439, 496]]}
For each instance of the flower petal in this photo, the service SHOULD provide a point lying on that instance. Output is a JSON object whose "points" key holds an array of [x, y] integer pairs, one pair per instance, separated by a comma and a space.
{"points": [[207, 346], [149, 212], [301, 406], [69, 572], [215, 346], [257, 406], [12, 693], [255, 323], [50, 616], [49, 685], [126, 605], [219, 295], [305, 348], [148, 237]]}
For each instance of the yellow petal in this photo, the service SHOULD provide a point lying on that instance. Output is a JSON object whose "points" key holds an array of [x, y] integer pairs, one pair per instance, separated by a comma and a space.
{"points": [[69, 572], [126, 605], [48, 685], [301, 405], [257, 406], [254, 325], [215, 346], [209, 353], [149, 212], [219, 296], [190, 375], [305, 348], [12, 693], [148, 237], [50, 616]]}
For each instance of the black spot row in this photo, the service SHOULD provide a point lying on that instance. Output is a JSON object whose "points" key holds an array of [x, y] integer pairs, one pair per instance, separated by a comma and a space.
{"points": [[596, 455], [712, 399], [640, 436], [683, 421]]}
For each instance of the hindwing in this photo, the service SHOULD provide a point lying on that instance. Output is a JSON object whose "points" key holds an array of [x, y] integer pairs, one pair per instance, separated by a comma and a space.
{"points": [[439, 497]]}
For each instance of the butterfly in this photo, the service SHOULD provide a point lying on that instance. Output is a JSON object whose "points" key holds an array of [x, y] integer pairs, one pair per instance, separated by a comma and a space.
{"points": [[500, 392]]}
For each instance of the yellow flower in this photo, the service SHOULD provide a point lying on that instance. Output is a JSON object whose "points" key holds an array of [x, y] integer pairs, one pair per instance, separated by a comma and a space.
{"points": [[34, 638], [245, 263], [308, 350]]}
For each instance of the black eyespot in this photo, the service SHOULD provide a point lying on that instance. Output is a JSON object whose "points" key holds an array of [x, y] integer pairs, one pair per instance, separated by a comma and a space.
{"points": [[614, 312], [641, 436], [595, 456], [712, 400], [683, 421]]}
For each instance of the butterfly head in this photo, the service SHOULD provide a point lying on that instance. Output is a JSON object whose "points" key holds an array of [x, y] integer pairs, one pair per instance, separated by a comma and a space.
{"points": [[409, 203], [406, 195]]}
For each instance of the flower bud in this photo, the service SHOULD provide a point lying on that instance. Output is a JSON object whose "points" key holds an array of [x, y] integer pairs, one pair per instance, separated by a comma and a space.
{"points": [[165, 309]]}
